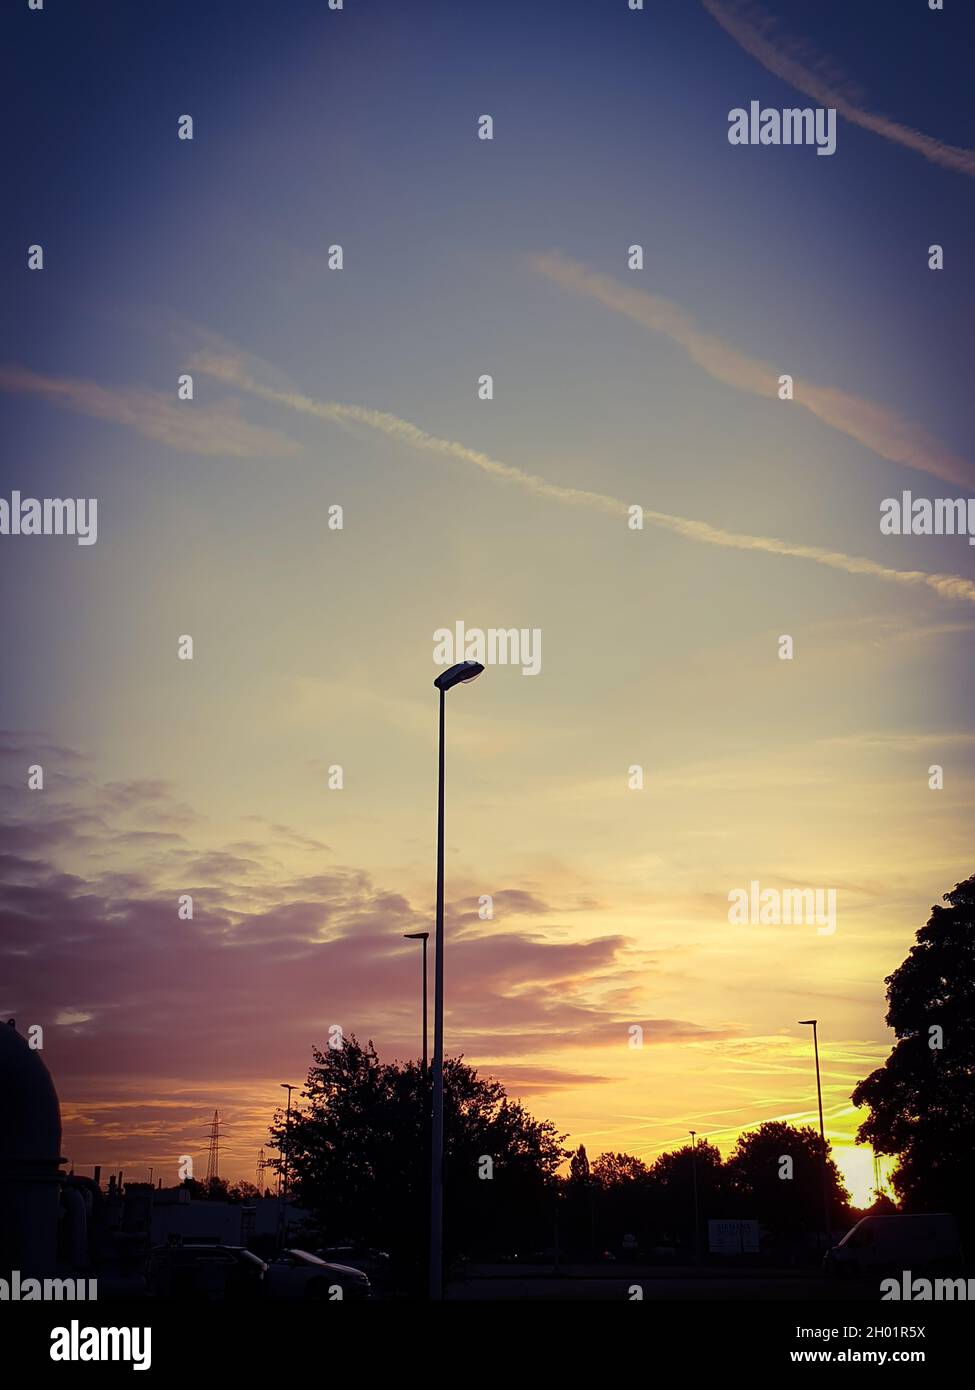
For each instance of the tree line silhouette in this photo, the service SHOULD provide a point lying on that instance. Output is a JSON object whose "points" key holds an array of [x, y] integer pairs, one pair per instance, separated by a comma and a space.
{"points": [[358, 1147]]}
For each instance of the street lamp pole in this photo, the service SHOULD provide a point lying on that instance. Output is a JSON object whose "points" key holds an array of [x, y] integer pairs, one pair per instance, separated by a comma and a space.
{"points": [[806, 1023], [455, 675], [436, 1153], [697, 1219], [287, 1139], [423, 936]]}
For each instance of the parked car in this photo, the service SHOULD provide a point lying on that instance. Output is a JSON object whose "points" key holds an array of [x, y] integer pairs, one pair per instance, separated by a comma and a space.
{"points": [[204, 1272], [917, 1242], [298, 1274], [376, 1264]]}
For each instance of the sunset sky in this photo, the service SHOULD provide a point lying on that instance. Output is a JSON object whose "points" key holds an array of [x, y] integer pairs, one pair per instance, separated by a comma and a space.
{"points": [[314, 647]]}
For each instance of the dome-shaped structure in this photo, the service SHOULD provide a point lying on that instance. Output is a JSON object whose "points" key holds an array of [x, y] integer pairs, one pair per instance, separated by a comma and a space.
{"points": [[30, 1116], [30, 1158]]}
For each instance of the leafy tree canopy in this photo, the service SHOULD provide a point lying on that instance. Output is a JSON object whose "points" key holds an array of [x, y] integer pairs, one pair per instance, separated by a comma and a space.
{"points": [[922, 1100]]}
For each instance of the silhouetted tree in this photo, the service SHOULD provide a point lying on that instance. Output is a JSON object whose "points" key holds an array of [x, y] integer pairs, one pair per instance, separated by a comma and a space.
{"points": [[219, 1190], [579, 1165], [579, 1207], [243, 1191], [615, 1170], [922, 1100], [624, 1200], [359, 1157], [776, 1173], [672, 1181], [880, 1206]]}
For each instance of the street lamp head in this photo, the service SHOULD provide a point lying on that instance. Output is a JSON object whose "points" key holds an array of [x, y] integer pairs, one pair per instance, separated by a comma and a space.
{"points": [[416, 935], [457, 675], [805, 1022]]}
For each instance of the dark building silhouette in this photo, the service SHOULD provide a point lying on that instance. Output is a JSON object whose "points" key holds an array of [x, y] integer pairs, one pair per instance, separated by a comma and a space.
{"points": [[30, 1158]]}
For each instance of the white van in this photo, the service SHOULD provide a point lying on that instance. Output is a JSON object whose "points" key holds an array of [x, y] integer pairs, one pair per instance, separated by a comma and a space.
{"points": [[926, 1241]]}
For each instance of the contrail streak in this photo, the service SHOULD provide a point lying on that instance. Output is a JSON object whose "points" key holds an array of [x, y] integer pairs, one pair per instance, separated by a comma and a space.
{"points": [[229, 371], [875, 426], [786, 59]]}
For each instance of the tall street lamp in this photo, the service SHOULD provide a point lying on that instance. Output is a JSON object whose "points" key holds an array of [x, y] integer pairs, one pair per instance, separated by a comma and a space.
{"points": [[455, 675], [811, 1023], [287, 1139], [697, 1214], [423, 936]]}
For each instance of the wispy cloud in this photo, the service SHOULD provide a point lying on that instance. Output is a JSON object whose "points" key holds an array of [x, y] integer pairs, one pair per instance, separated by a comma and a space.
{"points": [[113, 982], [191, 427], [227, 369], [792, 60], [875, 426]]}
